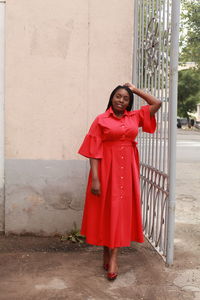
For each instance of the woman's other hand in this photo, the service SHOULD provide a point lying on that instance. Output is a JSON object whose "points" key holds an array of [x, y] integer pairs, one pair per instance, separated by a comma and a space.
{"points": [[96, 187]]}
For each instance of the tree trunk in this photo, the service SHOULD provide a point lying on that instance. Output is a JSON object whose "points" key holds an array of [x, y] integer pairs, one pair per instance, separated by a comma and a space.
{"points": [[189, 122]]}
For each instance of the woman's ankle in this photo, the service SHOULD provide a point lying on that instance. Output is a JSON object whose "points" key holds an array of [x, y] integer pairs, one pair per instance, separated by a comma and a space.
{"points": [[113, 265], [106, 255]]}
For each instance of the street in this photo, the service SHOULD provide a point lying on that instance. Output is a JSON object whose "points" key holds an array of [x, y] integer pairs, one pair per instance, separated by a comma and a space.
{"points": [[188, 146]]}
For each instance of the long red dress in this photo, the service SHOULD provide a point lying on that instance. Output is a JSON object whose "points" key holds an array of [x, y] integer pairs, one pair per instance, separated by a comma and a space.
{"points": [[114, 219]]}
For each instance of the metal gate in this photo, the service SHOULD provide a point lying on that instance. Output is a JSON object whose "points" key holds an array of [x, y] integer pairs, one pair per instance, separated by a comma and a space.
{"points": [[155, 70]]}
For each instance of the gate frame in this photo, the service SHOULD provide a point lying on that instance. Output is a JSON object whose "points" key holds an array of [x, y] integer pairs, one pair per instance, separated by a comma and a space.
{"points": [[174, 50], [173, 83]]}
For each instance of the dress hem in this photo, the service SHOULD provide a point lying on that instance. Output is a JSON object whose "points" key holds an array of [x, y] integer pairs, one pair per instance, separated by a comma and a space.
{"points": [[111, 245]]}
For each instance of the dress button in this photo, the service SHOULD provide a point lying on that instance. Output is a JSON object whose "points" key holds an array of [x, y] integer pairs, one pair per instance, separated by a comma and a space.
{"points": [[122, 157], [121, 187], [122, 148], [121, 197], [122, 177], [122, 167]]}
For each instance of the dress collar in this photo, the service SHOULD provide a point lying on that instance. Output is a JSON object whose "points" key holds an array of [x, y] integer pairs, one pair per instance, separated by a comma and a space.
{"points": [[111, 112]]}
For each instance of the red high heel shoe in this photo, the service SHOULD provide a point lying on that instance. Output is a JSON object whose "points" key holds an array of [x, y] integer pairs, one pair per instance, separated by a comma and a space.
{"points": [[112, 276]]}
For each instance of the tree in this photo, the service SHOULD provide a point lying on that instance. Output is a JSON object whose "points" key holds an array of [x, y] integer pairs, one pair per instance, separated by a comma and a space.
{"points": [[190, 31], [188, 92]]}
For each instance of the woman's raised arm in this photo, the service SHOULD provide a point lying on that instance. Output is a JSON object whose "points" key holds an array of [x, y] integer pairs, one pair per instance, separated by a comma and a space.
{"points": [[154, 103]]}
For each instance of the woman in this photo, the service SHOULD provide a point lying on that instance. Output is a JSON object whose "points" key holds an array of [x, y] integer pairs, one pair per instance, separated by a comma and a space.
{"points": [[112, 212]]}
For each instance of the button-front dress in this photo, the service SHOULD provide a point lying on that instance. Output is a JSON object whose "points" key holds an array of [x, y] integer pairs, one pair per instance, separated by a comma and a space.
{"points": [[114, 219]]}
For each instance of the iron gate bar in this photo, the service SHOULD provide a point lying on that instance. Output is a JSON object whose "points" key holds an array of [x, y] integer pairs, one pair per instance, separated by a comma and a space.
{"points": [[166, 152], [155, 37], [172, 127]]}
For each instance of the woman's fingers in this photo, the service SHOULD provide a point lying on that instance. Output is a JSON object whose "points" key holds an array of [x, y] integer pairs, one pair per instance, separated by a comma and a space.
{"points": [[129, 85], [96, 187], [96, 191]]}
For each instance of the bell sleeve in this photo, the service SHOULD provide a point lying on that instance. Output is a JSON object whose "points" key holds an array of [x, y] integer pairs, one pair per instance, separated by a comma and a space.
{"points": [[92, 146], [146, 121]]}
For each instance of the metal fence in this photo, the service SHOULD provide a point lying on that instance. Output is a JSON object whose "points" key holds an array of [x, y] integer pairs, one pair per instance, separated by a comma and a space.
{"points": [[155, 71]]}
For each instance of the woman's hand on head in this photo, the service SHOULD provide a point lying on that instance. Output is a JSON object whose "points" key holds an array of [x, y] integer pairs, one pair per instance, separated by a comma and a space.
{"points": [[130, 86], [96, 187]]}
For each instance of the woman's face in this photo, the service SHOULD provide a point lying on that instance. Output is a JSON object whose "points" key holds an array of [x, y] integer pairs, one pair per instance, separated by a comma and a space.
{"points": [[120, 101]]}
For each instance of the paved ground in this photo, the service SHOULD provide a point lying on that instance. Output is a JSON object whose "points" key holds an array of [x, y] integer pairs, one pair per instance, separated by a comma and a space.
{"points": [[46, 268]]}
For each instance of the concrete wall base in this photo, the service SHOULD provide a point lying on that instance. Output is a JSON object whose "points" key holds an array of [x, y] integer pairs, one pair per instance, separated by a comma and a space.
{"points": [[44, 197]]}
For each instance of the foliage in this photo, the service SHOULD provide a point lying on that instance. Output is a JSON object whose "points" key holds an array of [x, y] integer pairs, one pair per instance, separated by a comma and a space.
{"points": [[190, 31], [188, 91], [74, 236]]}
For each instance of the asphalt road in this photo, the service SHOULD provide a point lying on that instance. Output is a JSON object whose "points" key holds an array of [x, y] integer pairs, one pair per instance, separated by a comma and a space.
{"points": [[188, 146]]}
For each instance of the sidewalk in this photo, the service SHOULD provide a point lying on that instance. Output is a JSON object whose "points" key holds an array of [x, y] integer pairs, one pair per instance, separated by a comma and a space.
{"points": [[45, 268], [187, 234]]}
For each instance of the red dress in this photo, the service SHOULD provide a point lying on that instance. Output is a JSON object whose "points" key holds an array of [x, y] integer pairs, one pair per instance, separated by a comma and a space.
{"points": [[114, 219]]}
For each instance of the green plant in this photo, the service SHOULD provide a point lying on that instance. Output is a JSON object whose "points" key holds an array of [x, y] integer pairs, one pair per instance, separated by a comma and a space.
{"points": [[74, 236]]}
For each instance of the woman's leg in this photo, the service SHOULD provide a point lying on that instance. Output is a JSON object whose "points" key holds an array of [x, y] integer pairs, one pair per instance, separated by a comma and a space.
{"points": [[113, 268], [106, 256]]}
